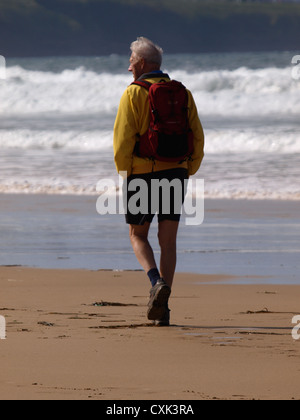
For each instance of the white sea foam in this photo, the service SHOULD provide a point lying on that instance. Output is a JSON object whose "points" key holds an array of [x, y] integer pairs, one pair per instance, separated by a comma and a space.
{"points": [[238, 92], [267, 140], [56, 127], [71, 140], [281, 140], [71, 91], [265, 92], [218, 191]]}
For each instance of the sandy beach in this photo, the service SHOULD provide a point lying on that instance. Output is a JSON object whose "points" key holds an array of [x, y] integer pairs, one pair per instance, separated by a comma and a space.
{"points": [[73, 300], [74, 334], [76, 326], [238, 237]]}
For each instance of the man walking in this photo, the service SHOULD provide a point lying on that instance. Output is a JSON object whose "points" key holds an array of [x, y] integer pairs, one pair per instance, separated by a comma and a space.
{"points": [[132, 137]]}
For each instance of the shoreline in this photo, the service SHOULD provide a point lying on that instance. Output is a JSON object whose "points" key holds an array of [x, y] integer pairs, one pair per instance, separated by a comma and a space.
{"points": [[74, 334], [257, 239], [199, 279], [95, 194]]}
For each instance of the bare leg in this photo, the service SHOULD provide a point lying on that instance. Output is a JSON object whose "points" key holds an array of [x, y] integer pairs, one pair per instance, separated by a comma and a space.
{"points": [[141, 246], [167, 236]]}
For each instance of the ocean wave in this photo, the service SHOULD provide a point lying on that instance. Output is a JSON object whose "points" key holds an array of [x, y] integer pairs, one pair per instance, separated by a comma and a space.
{"points": [[68, 188], [245, 92], [239, 92], [27, 187], [87, 141], [56, 134], [71, 91], [281, 140]]}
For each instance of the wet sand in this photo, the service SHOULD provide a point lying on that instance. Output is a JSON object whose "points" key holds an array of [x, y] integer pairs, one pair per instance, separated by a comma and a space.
{"points": [[238, 237], [84, 335]]}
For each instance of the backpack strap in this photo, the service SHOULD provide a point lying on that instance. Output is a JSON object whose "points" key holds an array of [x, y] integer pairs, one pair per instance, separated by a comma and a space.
{"points": [[154, 75], [143, 84]]}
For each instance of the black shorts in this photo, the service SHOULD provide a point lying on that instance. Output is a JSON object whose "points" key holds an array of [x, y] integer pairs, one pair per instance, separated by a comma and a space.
{"points": [[160, 193]]}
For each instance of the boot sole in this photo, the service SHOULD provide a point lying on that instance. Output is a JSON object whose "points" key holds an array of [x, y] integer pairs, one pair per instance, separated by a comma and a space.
{"points": [[157, 305]]}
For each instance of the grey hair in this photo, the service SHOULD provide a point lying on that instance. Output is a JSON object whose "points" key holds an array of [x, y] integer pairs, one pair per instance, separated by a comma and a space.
{"points": [[147, 50]]}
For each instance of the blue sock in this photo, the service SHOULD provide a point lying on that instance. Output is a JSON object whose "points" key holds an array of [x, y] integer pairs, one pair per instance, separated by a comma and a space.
{"points": [[154, 276]]}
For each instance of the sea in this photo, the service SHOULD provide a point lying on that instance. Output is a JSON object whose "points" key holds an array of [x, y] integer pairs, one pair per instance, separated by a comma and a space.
{"points": [[56, 138], [57, 117]]}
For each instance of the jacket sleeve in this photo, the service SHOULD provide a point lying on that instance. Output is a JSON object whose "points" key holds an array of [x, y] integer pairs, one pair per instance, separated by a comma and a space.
{"points": [[125, 132], [196, 127]]}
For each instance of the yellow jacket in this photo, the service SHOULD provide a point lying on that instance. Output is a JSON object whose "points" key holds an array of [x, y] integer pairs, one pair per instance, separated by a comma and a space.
{"points": [[134, 118]]}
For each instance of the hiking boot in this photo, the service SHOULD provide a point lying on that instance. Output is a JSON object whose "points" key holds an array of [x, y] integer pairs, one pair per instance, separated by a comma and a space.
{"points": [[165, 321], [159, 297]]}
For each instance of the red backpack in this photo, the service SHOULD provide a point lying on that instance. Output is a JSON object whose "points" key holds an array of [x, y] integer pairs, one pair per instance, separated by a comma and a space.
{"points": [[169, 137]]}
